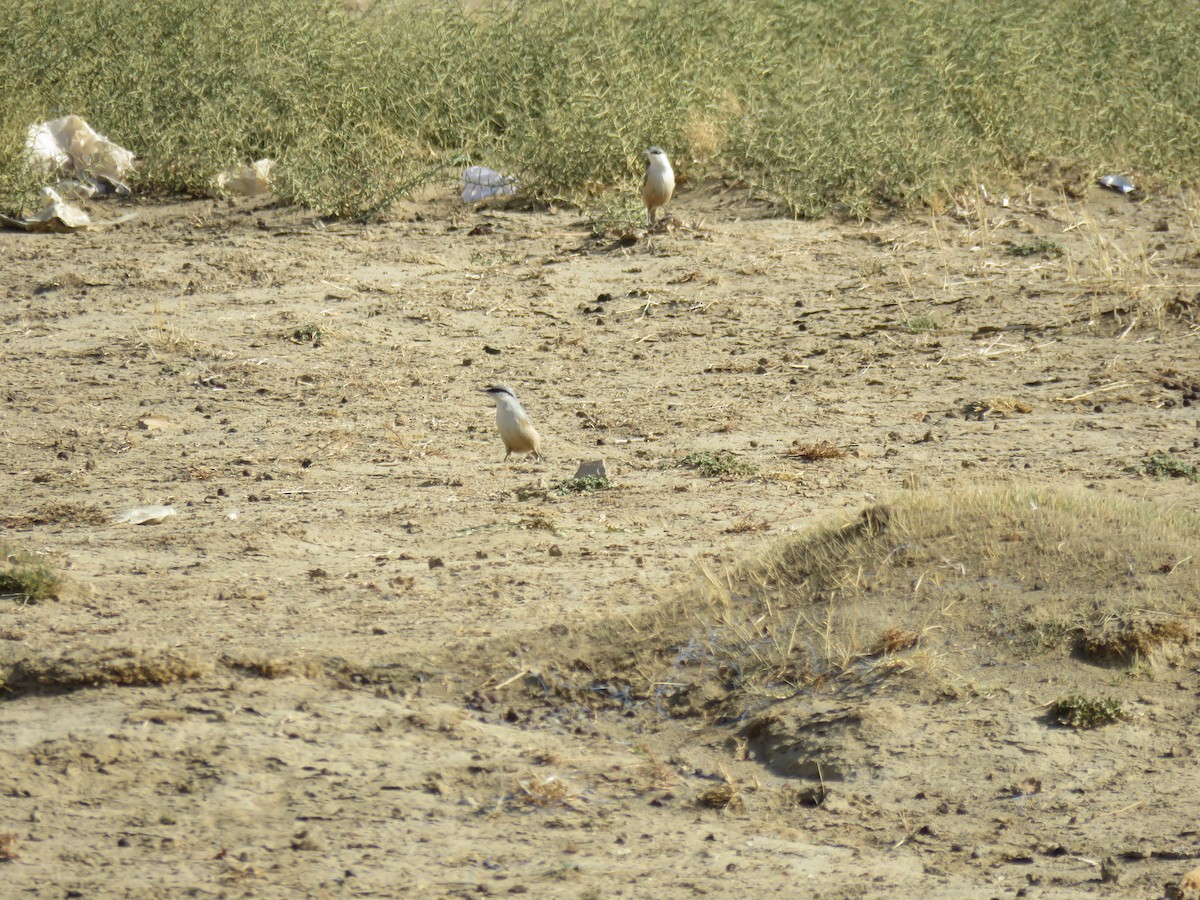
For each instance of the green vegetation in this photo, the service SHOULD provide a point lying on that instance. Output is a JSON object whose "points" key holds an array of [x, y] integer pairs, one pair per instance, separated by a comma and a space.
{"points": [[716, 465], [1163, 465], [856, 103], [1084, 712], [26, 577], [1039, 246], [307, 334], [588, 484], [918, 325]]}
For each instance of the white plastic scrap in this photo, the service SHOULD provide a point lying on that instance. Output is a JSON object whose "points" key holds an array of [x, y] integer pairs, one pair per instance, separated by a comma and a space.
{"points": [[146, 515], [253, 180], [56, 215], [71, 147], [1116, 183], [481, 183]]}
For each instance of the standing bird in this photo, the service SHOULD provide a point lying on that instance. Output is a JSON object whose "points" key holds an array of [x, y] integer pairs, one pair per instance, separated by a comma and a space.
{"points": [[516, 430], [659, 183]]}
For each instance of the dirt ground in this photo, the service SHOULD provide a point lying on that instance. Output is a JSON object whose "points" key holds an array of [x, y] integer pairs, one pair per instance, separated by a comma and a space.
{"points": [[295, 694]]}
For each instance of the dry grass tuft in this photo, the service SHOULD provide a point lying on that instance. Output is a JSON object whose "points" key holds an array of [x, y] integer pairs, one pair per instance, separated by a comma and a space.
{"points": [[59, 514], [819, 450], [654, 774], [272, 667], [541, 791], [727, 795], [88, 667], [895, 640], [1131, 640]]}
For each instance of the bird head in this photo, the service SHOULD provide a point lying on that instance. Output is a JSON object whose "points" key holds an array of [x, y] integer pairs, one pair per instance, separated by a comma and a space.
{"points": [[498, 392]]}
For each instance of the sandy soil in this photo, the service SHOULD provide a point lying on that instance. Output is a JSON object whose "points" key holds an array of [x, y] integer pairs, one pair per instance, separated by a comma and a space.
{"points": [[310, 707]]}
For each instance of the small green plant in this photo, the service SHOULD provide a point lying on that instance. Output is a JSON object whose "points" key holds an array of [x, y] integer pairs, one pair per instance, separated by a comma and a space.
{"points": [[1077, 711], [918, 325], [27, 577], [1163, 465], [716, 465], [588, 484], [1039, 246], [307, 334]]}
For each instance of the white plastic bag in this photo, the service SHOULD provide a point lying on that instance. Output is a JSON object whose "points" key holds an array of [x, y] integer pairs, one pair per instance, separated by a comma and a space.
{"points": [[481, 183], [253, 180], [55, 215], [71, 147]]}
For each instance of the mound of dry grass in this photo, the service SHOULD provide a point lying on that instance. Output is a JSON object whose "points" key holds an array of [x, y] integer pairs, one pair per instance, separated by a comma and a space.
{"points": [[264, 666], [1009, 571], [98, 667]]}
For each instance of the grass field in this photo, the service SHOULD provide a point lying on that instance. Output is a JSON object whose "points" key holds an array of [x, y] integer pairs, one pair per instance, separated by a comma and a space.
{"points": [[859, 103]]}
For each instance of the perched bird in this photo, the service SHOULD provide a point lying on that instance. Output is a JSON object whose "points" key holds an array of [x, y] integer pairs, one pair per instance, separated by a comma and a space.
{"points": [[516, 430], [659, 183]]}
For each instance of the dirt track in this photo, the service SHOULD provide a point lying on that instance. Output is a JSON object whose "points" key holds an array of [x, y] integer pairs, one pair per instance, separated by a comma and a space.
{"points": [[306, 397]]}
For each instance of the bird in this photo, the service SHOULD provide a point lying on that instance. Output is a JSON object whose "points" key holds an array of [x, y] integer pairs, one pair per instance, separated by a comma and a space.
{"points": [[659, 183], [516, 429]]}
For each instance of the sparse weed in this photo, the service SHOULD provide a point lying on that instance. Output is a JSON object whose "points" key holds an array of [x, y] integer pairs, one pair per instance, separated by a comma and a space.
{"points": [[722, 464], [919, 325], [27, 576], [588, 484], [616, 213], [1163, 465], [307, 334], [1039, 246], [1086, 712], [1123, 275]]}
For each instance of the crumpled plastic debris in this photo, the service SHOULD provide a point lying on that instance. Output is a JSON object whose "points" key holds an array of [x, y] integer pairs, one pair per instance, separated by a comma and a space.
{"points": [[1118, 183], [56, 215], [481, 183], [145, 515], [253, 180], [71, 147]]}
